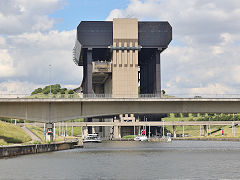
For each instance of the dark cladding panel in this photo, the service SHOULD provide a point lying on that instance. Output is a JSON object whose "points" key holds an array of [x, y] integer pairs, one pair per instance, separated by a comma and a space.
{"points": [[154, 34], [95, 33]]}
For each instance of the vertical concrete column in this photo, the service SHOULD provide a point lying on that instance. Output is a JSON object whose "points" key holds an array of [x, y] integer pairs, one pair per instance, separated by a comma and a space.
{"points": [[174, 131], [49, 132], [183, 135], [59, 129], [84, 131], [119, 132], [158, 74], [121, 117], [93, 130], [205, 130], [54, 130], [72, 130], [116, 129], [200, 131], [89, 127], [89, 71], [125, 61], [137, 119]]}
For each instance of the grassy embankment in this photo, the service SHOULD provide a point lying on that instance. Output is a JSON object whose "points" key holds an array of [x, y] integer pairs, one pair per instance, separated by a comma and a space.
{"points": [[77, 131], [194, 131], [12, 134]]}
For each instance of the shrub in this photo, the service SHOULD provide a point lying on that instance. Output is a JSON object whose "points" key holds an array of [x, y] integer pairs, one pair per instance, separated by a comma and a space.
{"points": [[185, 114], [195, 114], [177, 115], [63, 90], [54, 91], [36, 91], [70, 91]]}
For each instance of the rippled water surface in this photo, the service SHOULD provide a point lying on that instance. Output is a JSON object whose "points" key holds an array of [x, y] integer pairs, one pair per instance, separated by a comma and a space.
{"points": [[130, 160]]}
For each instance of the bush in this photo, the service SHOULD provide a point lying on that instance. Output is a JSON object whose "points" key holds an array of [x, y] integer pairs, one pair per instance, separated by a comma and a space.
{"points": [[54, 91], [177, 115], [70, 91], [185, 114], [163, 92], [46, 90], [56, 87], [36, 91], [63, 90], [211, 114], [202, 114], [195, 114]]}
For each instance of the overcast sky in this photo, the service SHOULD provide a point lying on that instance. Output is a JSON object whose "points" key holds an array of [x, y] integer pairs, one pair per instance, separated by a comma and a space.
{"points": [[204, 56]]}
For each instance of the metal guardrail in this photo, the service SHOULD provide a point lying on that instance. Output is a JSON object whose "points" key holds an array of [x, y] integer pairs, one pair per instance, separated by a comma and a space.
{"points": [[110, 96]]}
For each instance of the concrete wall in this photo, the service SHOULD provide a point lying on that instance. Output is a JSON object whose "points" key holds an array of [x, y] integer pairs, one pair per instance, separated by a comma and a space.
{"points": [[108, 86], [9, 151], [125, 62]]}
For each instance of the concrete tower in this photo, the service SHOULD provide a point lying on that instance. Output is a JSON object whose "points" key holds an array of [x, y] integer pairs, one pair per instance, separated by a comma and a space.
{"points": [[117, 56], [125, 58]]}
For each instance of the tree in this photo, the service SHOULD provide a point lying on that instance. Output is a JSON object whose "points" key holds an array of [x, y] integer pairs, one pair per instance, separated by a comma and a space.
{"points": [[46, 90], [56, 87], [54, 91], [163, 92], [63, 90], [70, 91], [36, 91]]}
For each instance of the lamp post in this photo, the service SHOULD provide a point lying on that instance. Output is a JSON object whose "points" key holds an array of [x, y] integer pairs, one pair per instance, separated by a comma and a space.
{"points": [[163, 130], [50, 78], [209, 127]]}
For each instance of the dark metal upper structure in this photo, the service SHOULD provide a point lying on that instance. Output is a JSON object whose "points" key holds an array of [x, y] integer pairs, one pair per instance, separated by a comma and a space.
{"points": [[94, 42]]}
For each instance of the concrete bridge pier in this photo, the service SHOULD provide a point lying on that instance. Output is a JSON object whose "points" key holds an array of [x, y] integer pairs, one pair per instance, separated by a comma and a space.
{"points": [[49, 132], [116, 130], [93, 130], [174, 131], [84, 131], [205, 130]]}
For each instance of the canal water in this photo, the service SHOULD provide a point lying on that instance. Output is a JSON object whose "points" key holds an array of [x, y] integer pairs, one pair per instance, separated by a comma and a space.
{"points": [[131, 160]]}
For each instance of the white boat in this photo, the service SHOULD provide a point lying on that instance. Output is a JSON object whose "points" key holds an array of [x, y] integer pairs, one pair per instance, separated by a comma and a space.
{"points": [[169, 139], [92, 138], [140, 138]]}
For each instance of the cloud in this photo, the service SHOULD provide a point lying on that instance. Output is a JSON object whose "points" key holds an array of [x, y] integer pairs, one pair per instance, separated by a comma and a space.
{"points": [[28, 45], [21, 16], [32, 54], [16, 87], [214, 88], [206, 56], [6, 64]]}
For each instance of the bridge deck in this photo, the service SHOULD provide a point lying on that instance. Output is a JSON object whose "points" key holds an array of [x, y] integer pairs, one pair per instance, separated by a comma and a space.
{"points": [[119, 99], [150, 123], [55, 110]]}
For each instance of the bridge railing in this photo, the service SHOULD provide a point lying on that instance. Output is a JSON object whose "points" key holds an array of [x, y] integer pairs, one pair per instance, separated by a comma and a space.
{"points": [[109, 96]]}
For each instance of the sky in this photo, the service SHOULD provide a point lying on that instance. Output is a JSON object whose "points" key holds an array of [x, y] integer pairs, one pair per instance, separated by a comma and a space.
{"points": [[203, 57]]}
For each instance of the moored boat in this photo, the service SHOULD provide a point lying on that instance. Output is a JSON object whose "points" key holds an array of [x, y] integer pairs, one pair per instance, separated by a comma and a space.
{"points": [[140, 138], [92, 138]]}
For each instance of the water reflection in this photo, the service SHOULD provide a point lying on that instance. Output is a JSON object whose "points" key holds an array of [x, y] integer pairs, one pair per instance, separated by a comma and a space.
{"points": [[130, 160]]}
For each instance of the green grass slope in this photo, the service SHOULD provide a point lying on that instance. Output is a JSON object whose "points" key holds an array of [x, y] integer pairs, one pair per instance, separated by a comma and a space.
{"points": [[12, 134]]}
